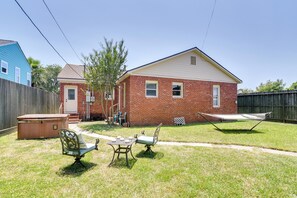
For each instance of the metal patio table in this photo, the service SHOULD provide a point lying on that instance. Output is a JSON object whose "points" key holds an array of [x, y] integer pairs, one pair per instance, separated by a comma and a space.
{"points": [[122, 146]]}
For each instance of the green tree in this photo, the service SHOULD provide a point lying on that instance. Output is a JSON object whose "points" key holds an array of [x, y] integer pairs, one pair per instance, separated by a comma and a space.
{"points": [[245, 91], [271, 86], [293, 86], [50, 78], [103, 68], [37, 73]]}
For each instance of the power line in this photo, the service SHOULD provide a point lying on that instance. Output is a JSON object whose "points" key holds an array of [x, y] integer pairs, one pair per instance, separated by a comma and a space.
{"points": [[46, 38], [61, 30], [213, 9], [40, 32]]}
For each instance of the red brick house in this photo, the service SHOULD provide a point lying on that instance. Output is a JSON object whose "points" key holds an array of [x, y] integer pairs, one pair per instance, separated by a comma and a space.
{"points": [[176, 86], [73, 94]]}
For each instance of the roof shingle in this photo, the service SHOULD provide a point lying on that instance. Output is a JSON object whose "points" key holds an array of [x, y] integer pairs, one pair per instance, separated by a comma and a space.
{"points": [[72, 72]]}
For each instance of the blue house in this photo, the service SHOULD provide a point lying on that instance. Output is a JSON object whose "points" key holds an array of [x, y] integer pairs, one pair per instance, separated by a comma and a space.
{"points": [[13, 63]]}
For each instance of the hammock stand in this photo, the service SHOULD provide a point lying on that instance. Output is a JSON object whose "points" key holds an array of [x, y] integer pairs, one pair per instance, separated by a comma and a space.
{"points": [[252, 116]]}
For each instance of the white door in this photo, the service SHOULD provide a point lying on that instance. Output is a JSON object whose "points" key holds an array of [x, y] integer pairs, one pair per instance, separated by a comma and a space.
{"points": [[70, 99]]}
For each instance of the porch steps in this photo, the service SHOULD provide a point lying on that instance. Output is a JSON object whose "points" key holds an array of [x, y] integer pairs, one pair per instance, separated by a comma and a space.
{"points": [[74, 118]]}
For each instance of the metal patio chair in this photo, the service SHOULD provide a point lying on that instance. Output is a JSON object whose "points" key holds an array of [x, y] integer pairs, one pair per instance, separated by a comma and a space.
{"points": [[74, 145], [149, 141]]}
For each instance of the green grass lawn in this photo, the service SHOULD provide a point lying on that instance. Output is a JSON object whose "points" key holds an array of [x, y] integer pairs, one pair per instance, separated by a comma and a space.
{"points": [[267, 134], [36, 168]]}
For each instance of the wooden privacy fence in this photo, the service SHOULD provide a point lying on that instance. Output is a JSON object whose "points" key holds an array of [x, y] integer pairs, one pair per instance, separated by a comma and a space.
{"points": [[17, 99], [283, 105]]}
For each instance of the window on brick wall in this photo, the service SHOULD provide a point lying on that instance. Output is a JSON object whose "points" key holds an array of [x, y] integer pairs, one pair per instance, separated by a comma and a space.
{"points": [[109, 95], [4, 67], [151, 89], [177, 90], [216, 95]]}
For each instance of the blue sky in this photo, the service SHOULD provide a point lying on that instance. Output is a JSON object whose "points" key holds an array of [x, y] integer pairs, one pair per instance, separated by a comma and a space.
{"points": [[255, 40]]}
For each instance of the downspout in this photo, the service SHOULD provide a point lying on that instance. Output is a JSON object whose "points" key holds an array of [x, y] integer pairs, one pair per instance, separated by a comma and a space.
{"points": [[119, 99]]}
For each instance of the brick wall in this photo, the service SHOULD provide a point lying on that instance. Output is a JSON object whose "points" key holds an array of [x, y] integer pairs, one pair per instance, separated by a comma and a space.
{"points": [[95, 109], [197, 97]]}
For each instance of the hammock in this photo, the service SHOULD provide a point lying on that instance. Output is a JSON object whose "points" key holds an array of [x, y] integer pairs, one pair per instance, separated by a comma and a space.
{"points": [[252, 116]]}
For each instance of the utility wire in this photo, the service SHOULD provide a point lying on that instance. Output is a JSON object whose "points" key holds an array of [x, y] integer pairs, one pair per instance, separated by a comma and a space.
{"points": [[40, 32], [46, 38], [213, 9], [61, 30]]}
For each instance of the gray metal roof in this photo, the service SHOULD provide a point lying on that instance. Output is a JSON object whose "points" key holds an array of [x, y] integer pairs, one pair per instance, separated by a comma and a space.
{"points": [[5, 42]]}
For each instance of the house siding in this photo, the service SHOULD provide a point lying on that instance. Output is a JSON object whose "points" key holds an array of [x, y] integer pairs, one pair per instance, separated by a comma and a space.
{"points": [[197, 97], [180, 67], [13, 55]]}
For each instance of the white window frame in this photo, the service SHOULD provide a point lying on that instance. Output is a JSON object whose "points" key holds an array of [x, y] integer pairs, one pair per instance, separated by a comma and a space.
{"points": [[181, 89], [17, 80], [109, 98], [4, 64], [151, 82], [218, 97], [29, 78]]}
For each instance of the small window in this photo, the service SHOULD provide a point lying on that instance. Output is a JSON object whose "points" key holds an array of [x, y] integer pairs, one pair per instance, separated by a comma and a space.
{"points": [[193, 60], [109, 95], [151, 89], [71, 94], [216, 96], [4, 67], [177, 90], [17, 75], [29, 79]]}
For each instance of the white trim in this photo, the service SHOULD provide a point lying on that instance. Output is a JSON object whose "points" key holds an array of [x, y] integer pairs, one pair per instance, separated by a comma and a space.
{"points": [[17, 80], [124, 96], [219, 96], [151, 82], [11, 43], [75, 104], [119, 100], [71, 81], [29, 75], [4, 62], [181, 78], [181, 90]]}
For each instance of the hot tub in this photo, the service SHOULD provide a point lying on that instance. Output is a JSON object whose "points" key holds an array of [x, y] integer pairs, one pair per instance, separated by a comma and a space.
{"points": [[41, 125]]}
